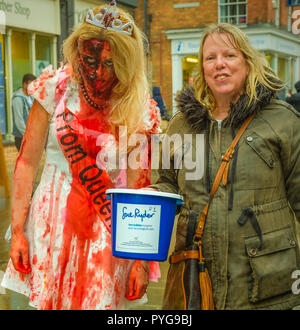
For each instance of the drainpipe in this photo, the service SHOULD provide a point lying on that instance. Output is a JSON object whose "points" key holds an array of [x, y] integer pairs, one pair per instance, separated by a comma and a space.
{"points": [[146, 17], [276, 6], [147, 42], [290, 19], [66, 22]]}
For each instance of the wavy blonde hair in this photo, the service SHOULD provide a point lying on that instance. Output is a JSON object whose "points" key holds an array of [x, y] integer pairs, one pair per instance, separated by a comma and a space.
{"points": [[260, 71], [129, 96]]}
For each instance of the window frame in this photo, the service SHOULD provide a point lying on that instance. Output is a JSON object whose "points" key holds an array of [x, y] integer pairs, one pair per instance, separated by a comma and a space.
{"points": [[237, 16]]}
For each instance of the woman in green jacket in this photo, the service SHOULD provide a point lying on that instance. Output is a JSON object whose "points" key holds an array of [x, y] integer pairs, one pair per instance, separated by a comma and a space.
{"points": [[249, 243]]}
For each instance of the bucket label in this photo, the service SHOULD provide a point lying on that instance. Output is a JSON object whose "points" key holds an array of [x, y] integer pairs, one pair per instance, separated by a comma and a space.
{"points": [[137, 228]]}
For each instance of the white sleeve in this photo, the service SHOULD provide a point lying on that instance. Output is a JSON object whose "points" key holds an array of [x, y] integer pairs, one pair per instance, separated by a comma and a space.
{"points": [[152, 118], [43, 89]]}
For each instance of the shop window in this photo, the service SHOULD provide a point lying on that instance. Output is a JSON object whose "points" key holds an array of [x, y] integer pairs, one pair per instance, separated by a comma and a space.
{"points": [[190, 69], [272, 62], [283, 75], [233, 11], [20, 57], [269, 59], [282, 70], [42, 53]]}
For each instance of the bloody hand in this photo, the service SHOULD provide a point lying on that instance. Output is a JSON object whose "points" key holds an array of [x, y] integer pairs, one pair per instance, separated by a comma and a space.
{"points": [[19, 253], [138, 280]]}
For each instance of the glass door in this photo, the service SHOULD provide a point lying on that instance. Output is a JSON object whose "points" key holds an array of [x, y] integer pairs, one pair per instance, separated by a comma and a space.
{"points": [[42, 53], [20, 54]]}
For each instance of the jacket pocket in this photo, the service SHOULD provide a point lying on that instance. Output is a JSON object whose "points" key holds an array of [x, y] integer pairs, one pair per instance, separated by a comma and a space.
{"points": [[271, 267], [260, 168]]}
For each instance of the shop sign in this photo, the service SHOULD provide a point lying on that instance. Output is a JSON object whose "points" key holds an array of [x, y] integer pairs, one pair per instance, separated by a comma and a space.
{"points": [[2, 22], [186, 46], [35, 15], [15, 8], [274, 43], [81, 9], [292, 3]]}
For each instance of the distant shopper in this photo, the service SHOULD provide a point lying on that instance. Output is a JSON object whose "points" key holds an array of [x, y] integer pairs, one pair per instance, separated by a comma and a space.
{"points": [[21, 104], [294, 99], [160, 103], [290, 93]]}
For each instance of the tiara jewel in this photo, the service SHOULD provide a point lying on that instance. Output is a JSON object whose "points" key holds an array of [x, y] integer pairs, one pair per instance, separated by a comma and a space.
{"points": [[109, 19]]}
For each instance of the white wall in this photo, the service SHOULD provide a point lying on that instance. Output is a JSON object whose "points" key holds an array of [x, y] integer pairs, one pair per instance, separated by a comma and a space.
{"points": [[34, 15]]}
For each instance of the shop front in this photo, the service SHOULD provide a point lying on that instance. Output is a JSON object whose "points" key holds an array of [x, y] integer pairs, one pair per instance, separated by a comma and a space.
{"points": [[29, 44], [282, 50]]}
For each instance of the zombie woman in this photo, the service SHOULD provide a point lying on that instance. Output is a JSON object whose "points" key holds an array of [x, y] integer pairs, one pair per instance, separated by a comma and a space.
{"points": [[61, 237]]}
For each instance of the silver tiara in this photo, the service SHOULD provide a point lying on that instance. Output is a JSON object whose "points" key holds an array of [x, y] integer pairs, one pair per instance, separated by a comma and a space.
{"points": [[109, 19]]}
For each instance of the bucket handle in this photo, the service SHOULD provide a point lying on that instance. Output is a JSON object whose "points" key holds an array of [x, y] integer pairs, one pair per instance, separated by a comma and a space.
{"points": [[178, 201]]}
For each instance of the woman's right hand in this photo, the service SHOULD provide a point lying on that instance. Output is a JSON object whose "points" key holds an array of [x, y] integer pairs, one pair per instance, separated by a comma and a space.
{"points": [[19, 253]]}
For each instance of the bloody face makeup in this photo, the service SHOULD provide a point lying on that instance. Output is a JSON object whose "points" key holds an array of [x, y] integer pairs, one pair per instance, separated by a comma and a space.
{"points": [[96, 69]]}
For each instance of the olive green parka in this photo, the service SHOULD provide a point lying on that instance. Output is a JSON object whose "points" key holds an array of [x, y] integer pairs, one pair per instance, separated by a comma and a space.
{"points": [[250, 238]]}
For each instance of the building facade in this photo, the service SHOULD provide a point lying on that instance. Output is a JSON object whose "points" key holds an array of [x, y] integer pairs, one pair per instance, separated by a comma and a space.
{"points": [[174, 29], [28, 43]]}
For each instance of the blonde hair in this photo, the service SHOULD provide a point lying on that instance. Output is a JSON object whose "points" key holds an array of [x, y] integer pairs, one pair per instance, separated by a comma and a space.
{"points": [[260, 71], [129, 96]]}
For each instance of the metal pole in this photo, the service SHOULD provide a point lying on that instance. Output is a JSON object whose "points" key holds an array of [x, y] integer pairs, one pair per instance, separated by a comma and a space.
{"points": [[146, 17]]}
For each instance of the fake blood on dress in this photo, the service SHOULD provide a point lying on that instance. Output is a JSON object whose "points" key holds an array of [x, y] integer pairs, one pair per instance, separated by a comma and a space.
{"points": [[81, 217]]}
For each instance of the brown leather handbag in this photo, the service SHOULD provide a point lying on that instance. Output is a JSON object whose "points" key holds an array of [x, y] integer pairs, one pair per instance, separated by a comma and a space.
{"points": [[196, 283]]}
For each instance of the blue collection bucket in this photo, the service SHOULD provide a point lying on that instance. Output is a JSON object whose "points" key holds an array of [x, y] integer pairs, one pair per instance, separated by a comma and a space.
{"points": [[142, 223]]}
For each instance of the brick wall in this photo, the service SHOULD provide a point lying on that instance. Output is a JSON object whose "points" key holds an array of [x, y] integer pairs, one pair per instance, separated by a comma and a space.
{"points": [[166, 17], [260, 12]]}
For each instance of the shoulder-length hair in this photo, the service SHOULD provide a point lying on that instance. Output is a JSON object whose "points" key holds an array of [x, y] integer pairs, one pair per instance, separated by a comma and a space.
{"points": [[260, 71], [129, 96]]}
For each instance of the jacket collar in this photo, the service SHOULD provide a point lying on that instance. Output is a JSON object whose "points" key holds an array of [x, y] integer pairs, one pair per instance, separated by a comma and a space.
{"points": [[197, 115]]}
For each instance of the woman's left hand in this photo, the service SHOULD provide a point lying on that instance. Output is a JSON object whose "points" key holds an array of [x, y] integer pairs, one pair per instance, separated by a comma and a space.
{"points": [[138, 280]]}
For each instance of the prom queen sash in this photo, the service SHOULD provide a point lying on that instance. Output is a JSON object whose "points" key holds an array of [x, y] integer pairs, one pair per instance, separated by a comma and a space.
{"points": [[77, 140]]}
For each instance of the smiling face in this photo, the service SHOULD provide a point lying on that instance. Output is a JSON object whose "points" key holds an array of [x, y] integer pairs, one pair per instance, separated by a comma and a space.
{"points": [[96, 68], [225, 68]]}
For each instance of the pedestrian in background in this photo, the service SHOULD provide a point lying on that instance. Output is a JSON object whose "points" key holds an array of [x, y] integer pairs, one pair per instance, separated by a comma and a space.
{"points": [[160, 103], [294, 99], [21, 104]]}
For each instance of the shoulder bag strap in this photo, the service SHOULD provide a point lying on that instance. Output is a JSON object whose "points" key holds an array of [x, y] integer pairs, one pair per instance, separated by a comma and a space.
{"points": [[221, 175]]}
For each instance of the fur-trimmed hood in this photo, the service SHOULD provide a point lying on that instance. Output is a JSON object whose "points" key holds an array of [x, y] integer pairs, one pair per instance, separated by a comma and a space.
{"points": [[197, 115]]}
